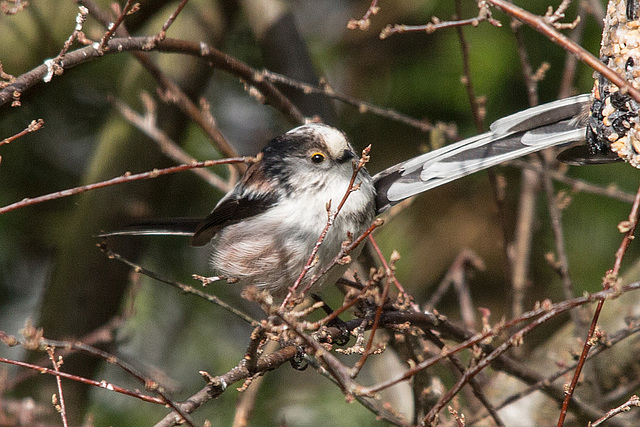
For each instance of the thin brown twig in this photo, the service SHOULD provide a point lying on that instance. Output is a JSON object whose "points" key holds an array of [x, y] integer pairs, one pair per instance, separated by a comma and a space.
{"points": [[483, 363], [33, 126], [527, 70], [148, 125], [100, 335], [609, 281], [127, 177], [477, 107], [474, 383], [579, 185], [54, 67], [364, 22], [149, 384], [553, 16], [113, 26], [484, 14], [456, 276], [618, 337], [345, 250], [215, 58], [571, 62], [173, 93], [58, 401], [389, 274], [539, 24], [519, 249], [544, 310], [163, 31], [626, 406], [184, 288], [362, 106], [328, 360], [393, 277], [382, 412], [562, 262], [217, 385], [245, 404], [100, 384]]}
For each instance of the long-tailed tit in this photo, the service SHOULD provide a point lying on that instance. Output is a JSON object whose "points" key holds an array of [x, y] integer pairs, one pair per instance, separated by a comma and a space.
{"points": [[263, 231]]}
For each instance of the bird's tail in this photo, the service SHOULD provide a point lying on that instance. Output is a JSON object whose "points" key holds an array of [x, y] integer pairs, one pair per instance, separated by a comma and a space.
{"points": [[159, 227], [556, 123]]}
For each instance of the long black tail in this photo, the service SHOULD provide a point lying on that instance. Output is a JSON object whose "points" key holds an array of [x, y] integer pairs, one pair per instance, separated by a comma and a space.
{"points": [[159, 227]]}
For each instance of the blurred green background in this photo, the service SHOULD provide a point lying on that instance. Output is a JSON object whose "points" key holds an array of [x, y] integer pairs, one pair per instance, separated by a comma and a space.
{"points": [[52, 272]]}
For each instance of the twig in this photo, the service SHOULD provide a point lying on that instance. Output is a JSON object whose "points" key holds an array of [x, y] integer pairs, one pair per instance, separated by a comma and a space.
{"points": [[100, 335], [217, 385], [389, 275], [33, 126], [601, 347], [436, 24], [609, 282], [570, 46], [382, 412], [475, 384], [127, 177], [552, 17], [544, 310], [578, 185], [364, 22], [112, 27], [147, 124], [362, 106], [163, 32], [58, 402], [330, 362], [34, 340], [571, 62], [215, 57], [625, 407], [519, 249], [177, 95], [558, 237], [100, 384], [477, 108], [184, 288], [54, 66], [345, 249], [456, 276], [527, 70]]}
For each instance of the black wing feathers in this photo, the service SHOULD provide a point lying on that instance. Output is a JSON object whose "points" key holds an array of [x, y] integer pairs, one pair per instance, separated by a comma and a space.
{"points": [[229, 211]]}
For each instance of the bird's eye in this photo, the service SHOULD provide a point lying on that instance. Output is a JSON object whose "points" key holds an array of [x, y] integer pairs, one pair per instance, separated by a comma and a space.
{"points": [[317, 157]]}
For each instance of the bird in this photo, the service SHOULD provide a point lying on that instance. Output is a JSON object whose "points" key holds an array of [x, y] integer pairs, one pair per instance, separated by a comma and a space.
{"points": [[263, 231]]}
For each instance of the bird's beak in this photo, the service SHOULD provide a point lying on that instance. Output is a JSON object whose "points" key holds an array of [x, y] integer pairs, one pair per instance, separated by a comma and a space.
{"points": [[346, 156]]}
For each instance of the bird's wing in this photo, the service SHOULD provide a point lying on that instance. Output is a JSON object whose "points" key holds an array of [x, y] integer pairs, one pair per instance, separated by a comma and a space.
{"points": [[229, 211], [511, 137]]}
